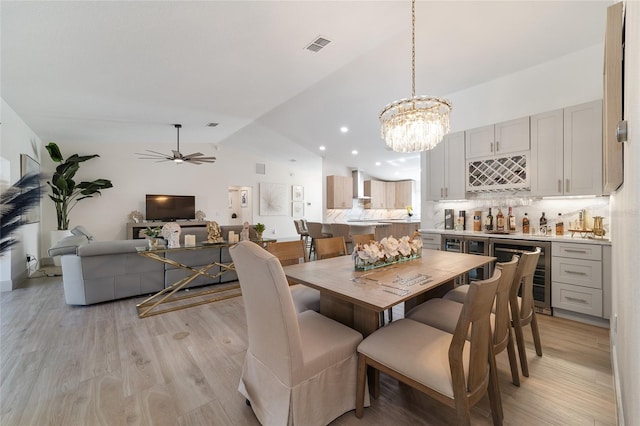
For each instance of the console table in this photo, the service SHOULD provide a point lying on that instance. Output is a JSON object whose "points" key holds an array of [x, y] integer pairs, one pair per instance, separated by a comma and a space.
{"points": [[134, 229]]}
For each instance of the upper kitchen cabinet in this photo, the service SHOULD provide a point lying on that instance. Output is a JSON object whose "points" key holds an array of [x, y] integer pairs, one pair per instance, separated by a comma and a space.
{"points": [[498, 139], [566, 151], [388, 195], [339, 192], [376, 189], [446, 170], [403, 194]]}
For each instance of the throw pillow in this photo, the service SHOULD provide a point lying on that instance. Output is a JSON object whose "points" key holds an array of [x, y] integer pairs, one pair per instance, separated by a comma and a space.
{"points": [[81, 230]]}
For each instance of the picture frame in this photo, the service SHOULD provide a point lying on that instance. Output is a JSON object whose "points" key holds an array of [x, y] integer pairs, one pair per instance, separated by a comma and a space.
{"points": [[297, 209], [244, 198], [273, 199], [30, 166], [297, 193]]}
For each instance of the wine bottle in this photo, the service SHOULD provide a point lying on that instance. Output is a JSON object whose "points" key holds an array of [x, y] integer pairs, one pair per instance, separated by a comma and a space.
{"points": [[543, 224], [488, 222], [511, 220], [500, 221]]}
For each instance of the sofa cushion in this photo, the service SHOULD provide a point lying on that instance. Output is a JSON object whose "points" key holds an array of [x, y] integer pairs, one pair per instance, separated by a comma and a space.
{"points": [[81, 230], [68, 245]]}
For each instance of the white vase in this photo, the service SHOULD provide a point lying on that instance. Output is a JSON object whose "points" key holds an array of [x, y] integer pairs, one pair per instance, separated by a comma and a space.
{"points": [[56, 236]]}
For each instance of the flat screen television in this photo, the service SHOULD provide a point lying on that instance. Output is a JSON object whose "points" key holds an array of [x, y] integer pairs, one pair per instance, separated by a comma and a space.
{"points": [[168, 208]]}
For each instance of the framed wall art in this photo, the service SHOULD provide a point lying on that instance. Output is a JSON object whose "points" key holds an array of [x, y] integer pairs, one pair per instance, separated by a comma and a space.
{"points": [[297, 193], [273, 199], [244, 198], [297, 209]]}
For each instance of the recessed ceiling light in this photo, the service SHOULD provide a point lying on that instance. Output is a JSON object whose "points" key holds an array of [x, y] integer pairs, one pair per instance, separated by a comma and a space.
{"points": [[402, 160], [344, 129], [354, 152], [322, 147], [378, 163]]}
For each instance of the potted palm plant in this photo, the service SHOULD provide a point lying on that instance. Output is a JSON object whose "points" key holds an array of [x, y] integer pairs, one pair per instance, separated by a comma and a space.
{"points": [[65, 192]]}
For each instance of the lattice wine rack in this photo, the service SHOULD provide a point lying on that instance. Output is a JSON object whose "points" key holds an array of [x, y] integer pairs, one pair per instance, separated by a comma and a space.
{"points": [[497, 174]]}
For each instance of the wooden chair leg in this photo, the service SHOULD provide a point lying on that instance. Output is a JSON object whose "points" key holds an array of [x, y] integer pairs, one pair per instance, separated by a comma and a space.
{"points": [[536, 334], [360, 384], [463, 412], [513, 362], [494, 389], [522, 350]]}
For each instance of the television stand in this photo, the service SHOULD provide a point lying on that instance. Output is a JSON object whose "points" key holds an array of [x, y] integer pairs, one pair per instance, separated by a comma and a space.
{"points": [[134, 230]]}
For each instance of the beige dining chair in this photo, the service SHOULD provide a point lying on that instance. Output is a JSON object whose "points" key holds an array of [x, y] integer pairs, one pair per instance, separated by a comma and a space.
{"points": [[362, 238], [302, 231], [315, 232], [447, 367], [330, 247], [443, 313], [299, 368], [292, 253], [522, 307], [343, 230]]}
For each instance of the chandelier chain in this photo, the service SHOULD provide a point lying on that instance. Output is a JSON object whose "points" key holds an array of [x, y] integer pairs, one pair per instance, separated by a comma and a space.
{"points": [[413, 48]]}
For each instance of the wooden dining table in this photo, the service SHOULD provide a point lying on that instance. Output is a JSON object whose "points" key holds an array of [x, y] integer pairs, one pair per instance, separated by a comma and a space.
{"points": [[356, 298]]}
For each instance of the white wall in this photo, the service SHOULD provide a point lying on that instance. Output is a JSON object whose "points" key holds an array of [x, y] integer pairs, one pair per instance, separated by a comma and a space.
{"points": [[17, 138], [106, 216], [625, 208]]}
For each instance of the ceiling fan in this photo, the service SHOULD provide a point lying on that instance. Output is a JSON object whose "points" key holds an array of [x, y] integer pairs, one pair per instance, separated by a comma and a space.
{"points": [[177, 157]]}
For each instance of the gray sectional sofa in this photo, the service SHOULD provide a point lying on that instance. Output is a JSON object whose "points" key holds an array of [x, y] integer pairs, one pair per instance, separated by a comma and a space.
{"points": [[100, 271]]}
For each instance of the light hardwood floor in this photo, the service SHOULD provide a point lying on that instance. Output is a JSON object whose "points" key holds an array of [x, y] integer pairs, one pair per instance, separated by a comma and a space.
{"points": [[102, 365]]}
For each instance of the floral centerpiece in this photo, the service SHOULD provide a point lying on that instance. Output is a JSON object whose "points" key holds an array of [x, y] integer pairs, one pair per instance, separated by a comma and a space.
{"points": [[387, 251]]}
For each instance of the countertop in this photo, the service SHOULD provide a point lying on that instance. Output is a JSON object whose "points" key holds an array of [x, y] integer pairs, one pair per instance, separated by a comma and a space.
{"points": [[520, 236]]}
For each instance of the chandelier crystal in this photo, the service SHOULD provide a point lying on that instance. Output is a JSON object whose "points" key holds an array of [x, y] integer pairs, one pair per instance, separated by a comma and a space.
{"points": [[418, 123]]}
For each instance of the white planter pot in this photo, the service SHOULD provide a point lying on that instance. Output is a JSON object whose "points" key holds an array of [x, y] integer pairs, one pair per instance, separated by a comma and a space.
{"points": [[55, 237]]}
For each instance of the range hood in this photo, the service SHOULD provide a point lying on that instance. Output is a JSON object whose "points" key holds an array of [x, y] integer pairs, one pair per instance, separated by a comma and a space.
{"points": [[358, 185]]}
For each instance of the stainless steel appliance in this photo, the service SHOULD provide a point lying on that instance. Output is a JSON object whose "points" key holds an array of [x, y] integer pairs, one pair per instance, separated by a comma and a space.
{"points": [[470, 245], [504, 249]]}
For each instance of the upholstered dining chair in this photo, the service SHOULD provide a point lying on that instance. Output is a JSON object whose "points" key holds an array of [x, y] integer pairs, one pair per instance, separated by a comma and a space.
{"points": [[443, 314], [291, 253], [302, 231], [447, 367], [343, 230], [330, 247], [315, 232], [299, 369], [521, 304], [362, 238]]}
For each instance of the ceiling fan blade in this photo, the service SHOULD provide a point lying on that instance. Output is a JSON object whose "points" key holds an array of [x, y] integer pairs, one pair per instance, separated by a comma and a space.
{"points": [[196, 154], [155, 157], [156, 152]]}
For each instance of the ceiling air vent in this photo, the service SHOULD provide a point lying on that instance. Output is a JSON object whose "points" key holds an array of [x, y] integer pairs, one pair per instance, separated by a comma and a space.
{"points": [[260, 169], [318, 44]]}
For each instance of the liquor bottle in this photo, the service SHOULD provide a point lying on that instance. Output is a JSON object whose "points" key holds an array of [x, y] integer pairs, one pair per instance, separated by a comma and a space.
{"points": [[543, 224], [525, 224], [477, 220], [488, 222], [500, 221], [511, 220], [560, 225]]}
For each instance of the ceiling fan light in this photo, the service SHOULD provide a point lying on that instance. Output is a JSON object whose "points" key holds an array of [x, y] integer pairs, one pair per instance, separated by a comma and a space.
{"points": [[177, 160]]}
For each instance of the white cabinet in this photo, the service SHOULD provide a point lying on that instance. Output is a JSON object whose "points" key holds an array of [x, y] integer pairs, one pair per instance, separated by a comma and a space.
{"points": [[577, 278], [566, 151], [431, 240], [498, 139], [445, 169]]}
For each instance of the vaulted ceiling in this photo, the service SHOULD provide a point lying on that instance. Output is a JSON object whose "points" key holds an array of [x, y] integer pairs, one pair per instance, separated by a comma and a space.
{"points": [[124, 72]]}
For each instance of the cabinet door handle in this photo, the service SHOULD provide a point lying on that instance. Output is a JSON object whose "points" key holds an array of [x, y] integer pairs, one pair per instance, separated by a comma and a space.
{"points": [[574, 272], [559, 186], [575, 251], [446, 192], [566, 186], [574, 299], [491, 146], [441, 192], [497, 146]]}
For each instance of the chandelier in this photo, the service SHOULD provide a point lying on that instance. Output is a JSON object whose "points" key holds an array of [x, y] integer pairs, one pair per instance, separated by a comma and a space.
{"points": [[420, 122]]}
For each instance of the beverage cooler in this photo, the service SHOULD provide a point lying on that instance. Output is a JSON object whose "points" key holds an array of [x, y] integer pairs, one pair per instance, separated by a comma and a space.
{"points": [[504, 250], [470, 245]]}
